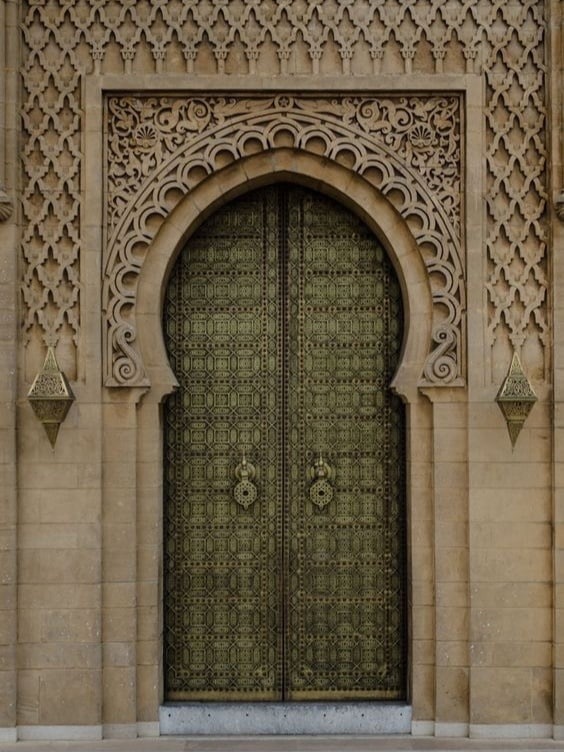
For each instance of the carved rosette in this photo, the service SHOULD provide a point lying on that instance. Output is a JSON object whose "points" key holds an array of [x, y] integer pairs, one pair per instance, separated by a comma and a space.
{"points": [[160, 148]]}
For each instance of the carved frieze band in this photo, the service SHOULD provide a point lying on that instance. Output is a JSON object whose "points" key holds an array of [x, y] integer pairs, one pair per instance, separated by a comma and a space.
{"points": [[160, 148]]}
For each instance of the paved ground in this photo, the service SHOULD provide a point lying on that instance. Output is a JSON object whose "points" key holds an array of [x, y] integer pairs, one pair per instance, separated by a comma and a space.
{"points": [[288, 744]]}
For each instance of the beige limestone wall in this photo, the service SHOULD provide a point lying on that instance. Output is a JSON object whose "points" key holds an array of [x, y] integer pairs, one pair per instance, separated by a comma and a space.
{"points": [[59, 570], [510, 541], [485, 527]]}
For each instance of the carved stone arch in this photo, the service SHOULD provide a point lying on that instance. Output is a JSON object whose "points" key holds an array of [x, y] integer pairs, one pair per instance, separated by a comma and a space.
{"points": [[161, 152], [330, 178]]}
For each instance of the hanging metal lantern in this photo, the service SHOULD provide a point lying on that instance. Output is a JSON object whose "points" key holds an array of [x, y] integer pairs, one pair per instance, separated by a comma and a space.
{"points": [[515, 398], [51, 396]]}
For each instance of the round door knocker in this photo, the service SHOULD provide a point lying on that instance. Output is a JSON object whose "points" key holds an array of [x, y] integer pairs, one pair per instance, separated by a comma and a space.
{"points": [[245, 492], [321, 491]]}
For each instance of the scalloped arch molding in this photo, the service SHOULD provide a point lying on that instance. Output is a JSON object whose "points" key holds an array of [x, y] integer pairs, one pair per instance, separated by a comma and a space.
{"points": [[160, 148]]}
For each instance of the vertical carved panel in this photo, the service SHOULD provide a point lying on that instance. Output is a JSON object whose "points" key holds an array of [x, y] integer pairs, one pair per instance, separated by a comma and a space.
{"points": [[514, 63], [51, 163]]}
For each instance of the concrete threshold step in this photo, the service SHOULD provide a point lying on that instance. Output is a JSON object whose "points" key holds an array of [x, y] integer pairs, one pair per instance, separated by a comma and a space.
{"points": [[331, 743], [285, 718]]}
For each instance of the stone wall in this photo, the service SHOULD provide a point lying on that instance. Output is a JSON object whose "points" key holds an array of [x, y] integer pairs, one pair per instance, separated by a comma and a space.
{"points": [[439, 123]]}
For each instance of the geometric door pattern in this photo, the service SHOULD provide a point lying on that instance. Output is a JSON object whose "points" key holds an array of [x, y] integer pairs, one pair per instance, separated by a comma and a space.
{"points": [[284, 458]]}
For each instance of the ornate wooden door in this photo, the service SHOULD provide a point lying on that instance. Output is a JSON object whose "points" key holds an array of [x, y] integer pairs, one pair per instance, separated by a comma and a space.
{"points": [[284, 459]]}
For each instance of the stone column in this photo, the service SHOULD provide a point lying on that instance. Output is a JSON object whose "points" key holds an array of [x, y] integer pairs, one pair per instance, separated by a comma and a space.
{"points": [[421, 585], [119, 563], [450, 536], [149, 563]]}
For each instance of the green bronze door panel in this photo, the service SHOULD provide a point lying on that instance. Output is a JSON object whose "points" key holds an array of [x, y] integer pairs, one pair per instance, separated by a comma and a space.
{"points": [[284, 565], [222, 545], [345, 542]]}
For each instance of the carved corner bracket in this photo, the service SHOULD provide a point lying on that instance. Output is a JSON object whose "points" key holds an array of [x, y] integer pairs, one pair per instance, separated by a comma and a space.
{"points": [[159, 148]]}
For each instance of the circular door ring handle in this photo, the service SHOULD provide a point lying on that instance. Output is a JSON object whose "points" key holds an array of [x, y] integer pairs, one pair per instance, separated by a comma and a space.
{"points": [[321, 491], [245, 491]]}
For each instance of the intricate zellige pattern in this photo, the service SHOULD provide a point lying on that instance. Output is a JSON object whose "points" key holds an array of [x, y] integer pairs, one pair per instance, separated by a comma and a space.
{"points": [[161, 147], [67, 38]]}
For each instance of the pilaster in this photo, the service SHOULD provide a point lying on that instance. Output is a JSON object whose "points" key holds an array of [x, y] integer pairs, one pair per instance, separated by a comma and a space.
{"points": [[9, 284], [450, 537], [556, 99], [119, 568]]}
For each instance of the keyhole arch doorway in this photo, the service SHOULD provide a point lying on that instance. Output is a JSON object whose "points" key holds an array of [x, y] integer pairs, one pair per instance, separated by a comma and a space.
{"points": [[285, 533], [325, 176], [352, 191]]}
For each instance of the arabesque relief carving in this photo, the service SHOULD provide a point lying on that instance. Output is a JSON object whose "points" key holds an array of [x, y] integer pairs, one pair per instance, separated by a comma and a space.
{"points": [[159, 148], [503, 40]]}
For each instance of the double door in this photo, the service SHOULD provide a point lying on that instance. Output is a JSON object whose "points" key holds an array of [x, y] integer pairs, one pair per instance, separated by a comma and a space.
{"points": [[284, 458]]}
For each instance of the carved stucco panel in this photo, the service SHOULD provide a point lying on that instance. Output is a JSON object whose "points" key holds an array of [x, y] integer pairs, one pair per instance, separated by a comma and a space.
{"points": [[159, 148], [505, 41]]}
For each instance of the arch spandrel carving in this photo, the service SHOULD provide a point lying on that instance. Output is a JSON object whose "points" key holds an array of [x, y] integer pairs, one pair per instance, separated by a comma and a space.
{"points": [[160, 148], [313, 171]]}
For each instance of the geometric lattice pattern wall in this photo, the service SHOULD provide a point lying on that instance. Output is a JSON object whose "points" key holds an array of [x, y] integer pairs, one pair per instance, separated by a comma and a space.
{"points": [[66, 39]]}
